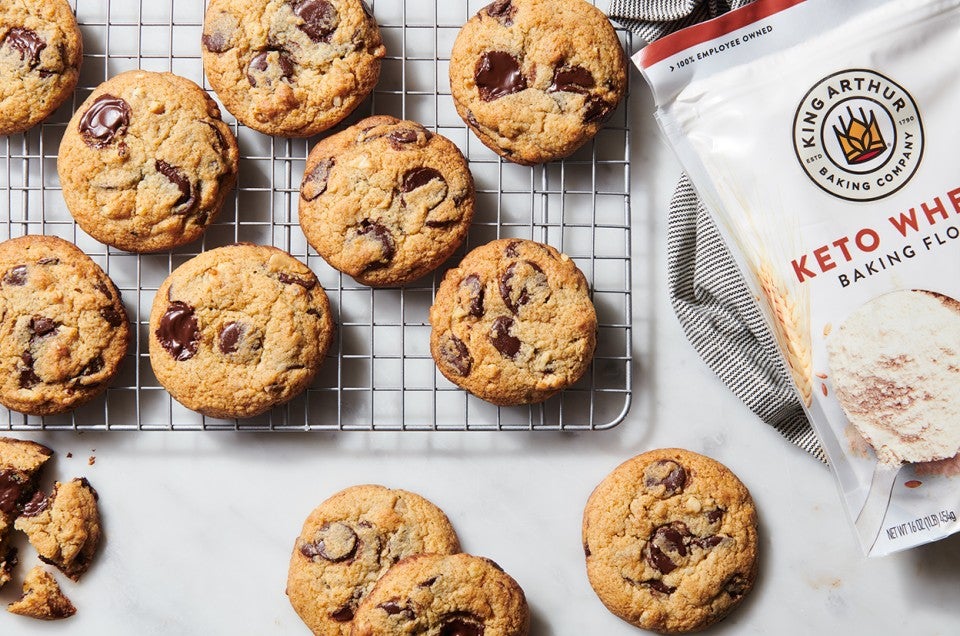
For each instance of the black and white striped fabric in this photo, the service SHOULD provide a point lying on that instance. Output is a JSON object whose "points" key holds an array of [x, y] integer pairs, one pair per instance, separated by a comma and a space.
{"points": [[715, 307]]}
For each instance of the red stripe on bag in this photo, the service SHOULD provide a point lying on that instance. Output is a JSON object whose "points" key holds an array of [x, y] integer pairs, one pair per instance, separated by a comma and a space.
{"points": [[674, 43]]}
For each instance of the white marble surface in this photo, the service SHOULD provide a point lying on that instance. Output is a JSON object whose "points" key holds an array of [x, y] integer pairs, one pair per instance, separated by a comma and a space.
{"points": [[199, 526]]}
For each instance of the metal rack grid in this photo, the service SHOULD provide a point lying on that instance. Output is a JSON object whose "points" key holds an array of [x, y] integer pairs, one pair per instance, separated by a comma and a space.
{"points": [[379, 374]]}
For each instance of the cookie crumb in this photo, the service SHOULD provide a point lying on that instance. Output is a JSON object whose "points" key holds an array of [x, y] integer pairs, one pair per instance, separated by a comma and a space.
{"points": [[42, 598]]}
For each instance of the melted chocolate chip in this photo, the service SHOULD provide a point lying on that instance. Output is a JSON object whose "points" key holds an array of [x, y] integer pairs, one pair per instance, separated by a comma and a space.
{"points": [[381, 234], [187, 202], [27, 43], [216, 42], [571, 79], [502, 11], [597, 110], [42, 326], [28, 377], [462, 624], [708, 542], [178, 331], [12, 484], [515, 298], [586, 550], [230, 335], [48, 261], [736, 586], [511, 250], [393, 607], [105, 120], [666, 541], [428, 582], [16, 276], [438, 224], [475, 292], [666, 473], [498, 74], [335, 542], [315, 183], [37, 504], [715, 515], [103, 288], [260, 64], [221, 143], [399, 138], [343, 615], [86, 484], [506, 344], [419, 177], [366, 8], [390, 607], [319, 17], [290, 279], [403, 136], [455, 353], [472, 120], [113, 317], [94, 366], [659, 586]]}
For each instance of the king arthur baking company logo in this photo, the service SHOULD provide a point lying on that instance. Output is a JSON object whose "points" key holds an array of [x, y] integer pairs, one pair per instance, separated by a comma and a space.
{"points": [[858, 135]]}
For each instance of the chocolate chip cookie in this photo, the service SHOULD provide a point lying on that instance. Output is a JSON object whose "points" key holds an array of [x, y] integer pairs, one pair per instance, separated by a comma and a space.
{"points": [[386, 201], [42, 598], [513, 323], [239, 329], [670, 538], [146, 162], [64, 527], [20, 462], [291, 68], [64, 331], [348, 543], [456, 595], [536, 79], [40, 54]]}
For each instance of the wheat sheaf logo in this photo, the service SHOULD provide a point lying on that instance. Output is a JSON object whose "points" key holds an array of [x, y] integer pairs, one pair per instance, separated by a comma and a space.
{"points": [[858, 135]]}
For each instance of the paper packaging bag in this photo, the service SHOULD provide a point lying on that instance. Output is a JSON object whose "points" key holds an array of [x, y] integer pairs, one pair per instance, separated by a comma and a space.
{"points": [[823, 138]]}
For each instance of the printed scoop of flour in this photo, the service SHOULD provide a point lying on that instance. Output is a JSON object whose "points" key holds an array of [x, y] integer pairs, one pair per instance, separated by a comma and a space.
{"points": [[895, 364]]}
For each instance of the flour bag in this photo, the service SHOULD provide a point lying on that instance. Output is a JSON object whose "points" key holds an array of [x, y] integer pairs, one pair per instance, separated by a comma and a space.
{"points": [[823, 137]]}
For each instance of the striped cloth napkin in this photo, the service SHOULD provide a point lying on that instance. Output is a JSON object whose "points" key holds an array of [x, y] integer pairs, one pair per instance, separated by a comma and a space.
{"points": [[715, 307]]}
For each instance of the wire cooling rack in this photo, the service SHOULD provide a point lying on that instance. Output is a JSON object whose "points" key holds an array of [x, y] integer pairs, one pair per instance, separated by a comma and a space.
{"points": [[379, 374]]}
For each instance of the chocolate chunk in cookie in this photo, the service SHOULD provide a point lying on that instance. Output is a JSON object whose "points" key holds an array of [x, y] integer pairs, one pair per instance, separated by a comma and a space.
{"points": [[105, 120], [498, 74]]}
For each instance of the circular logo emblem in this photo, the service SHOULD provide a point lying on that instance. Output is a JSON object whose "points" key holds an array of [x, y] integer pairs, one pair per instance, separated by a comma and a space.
{"points": [[858, 135]]}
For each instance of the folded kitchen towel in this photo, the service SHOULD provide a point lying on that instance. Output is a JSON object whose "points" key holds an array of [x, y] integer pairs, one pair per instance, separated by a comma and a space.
{"points": [[716, 309]]}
